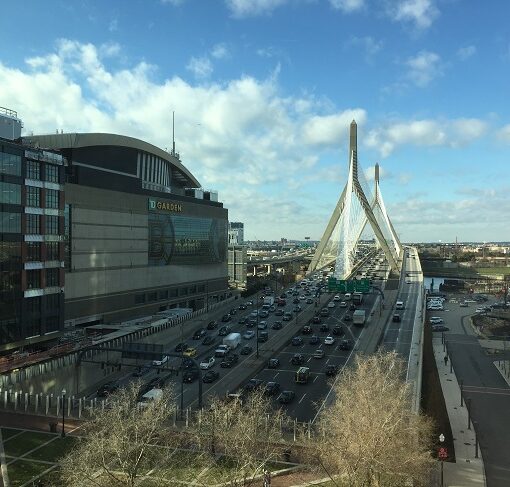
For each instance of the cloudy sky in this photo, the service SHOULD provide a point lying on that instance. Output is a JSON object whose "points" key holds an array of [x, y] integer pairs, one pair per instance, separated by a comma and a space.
{"points": [[264, 91]]}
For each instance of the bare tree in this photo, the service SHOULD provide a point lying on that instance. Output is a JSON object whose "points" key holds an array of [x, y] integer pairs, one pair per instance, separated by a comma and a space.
{"points": [[117, 447], [242, 436], [369, 435]]}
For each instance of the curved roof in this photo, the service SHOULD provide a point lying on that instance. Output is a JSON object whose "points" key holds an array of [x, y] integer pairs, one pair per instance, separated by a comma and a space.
{"points": [[77, 140]]}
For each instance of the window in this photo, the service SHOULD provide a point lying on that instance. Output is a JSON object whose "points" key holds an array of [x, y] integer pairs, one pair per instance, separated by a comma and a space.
{"points": [[52, 277], [51, 225], [33, 224], [52, 251], [163, 294], [10, 193], [33, 251], [33, 170], [152, 296], [52, 198], [33, 196], [139, 298], [51, 173], [10, 222], [33, 279], [10, 164]]}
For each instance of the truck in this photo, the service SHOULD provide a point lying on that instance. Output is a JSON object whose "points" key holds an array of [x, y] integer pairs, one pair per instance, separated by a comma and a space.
{"points": [[357, 298], [302, 375], [358, 317], [232, 340], [269, 300]]}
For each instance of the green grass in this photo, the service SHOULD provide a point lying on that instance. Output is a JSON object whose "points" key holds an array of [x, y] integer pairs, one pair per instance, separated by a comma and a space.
{"points": [[21, 471], [9, 432], [26, 442], [493, 270], [53, 451]]}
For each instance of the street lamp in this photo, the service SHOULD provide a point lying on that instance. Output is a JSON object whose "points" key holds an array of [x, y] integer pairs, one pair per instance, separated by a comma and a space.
{"points": [[63, 412], [441, 441]]}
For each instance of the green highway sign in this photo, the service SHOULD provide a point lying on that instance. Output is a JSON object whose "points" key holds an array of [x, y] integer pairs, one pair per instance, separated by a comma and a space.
{"points": [[350, 286]]}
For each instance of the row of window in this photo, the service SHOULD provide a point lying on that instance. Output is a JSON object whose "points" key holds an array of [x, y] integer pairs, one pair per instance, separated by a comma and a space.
{"points": [[10, 222], [34, 225], [34, 278], [50, 171], [165, 294], [34, 251], [10, 164], [34, 197], [10, 193], [52, 302]]}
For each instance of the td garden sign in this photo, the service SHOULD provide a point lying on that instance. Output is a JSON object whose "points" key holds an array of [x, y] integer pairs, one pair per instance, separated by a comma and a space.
{"points": [[164, 206]]}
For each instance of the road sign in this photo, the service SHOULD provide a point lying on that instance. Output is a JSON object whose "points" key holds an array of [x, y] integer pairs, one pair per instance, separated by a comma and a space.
{"points": [[350, 286], [442, 453]]}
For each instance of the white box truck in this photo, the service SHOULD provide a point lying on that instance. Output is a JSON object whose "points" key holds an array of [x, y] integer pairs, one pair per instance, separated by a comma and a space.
{"points": [[232, 340], [358, 317], [269, 300]]}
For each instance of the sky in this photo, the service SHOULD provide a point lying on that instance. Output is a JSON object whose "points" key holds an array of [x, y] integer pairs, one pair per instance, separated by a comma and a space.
{"points": [[264, 91]]}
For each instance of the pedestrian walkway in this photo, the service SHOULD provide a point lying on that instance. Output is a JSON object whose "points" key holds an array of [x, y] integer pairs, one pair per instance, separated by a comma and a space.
{"points": [[467, 471]]}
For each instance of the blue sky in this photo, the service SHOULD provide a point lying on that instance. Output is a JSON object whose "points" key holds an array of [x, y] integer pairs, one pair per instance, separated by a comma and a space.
{"points": [[264, 91]]}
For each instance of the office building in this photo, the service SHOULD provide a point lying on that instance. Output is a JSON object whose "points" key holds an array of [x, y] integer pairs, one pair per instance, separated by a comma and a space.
{"points": [[235, 233]]}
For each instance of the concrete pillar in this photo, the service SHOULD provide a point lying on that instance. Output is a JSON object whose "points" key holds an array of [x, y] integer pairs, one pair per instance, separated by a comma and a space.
{"points": [[36, 403], [15, 401], [26, 401], [47, 404]]}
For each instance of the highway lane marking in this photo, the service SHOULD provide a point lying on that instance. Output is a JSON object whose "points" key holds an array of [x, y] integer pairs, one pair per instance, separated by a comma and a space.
{"points": [[302, 398], [316, 377], [277, 373], [507, 393]]}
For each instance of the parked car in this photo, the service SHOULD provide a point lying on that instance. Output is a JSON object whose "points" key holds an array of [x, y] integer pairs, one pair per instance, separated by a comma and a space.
{"points": [[331, 304], [190, 352], [319, 353], [440, 328], [226, 318], [343, 304], [345, 345], [316, 319], [141, 371], [248, 334], [324, 327], [278, 312], [262, 325], [253, 384], [273, 363], [210, 376], [347, 317], [263, 337], [396, 318], [331, 370], [162, 361], [338, 330], [242, 321], [107, 389], [224, 331], [307, 330]]}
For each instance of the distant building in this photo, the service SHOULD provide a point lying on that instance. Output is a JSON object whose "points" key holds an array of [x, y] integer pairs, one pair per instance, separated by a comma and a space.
{"points": [[237, 265], [235, 233]]}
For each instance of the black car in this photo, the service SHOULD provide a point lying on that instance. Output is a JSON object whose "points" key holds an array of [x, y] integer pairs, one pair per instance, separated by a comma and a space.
{"points": [[190, 376], [297, 341], [345, 345], [331, 370], [298, 309], [232, 312], [251, 323], [230, 360], [396, 318], [307, 330], [242, 306], [338, 330], [324, 327], [141, 371], [314, 340], [242, 321], [224, 331], [278, 312], [316, 320], [199, 334], [210, 376], [246, 350], [253, 384], [286, 397], [181, 347], [277, 325], [187, 363], [297, 359], [295, 301], [208, 340], [309, 301], [347, 317], [273, 363], [212, 325], [107, 389], [272, 388], [263, 337], [226, 318]]}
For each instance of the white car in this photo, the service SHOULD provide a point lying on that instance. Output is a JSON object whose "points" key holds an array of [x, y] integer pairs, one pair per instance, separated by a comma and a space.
{"points": [[435, 320], [336, 298], [331, 304], [343, 304], [249, 334], [329, 340], [207, 363], [164, 360]]}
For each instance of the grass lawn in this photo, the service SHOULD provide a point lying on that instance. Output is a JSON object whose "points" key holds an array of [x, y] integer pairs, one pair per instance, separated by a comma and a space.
{"points": [[26, 442], [54, 450], [21, 471], [493, 270], [9, 432]]}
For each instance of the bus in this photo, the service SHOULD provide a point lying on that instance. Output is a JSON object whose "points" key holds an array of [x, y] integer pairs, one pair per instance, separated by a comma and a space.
{"points": [[302, 375], [357, 298]]}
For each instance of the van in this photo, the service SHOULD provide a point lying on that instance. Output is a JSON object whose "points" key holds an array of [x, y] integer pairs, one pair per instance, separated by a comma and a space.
{"points": [[148, 397], [399, 305]]}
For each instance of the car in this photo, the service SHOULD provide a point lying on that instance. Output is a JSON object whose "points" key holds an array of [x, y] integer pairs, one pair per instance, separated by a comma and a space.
{"points": [[212, 325], [226, 318], [287, 317], [297, 359], [278, 312], [253, 384], [156, 383], [295, 301], [272, 388], [230, 360], [187, 362], [242, 306], [248, 335], [251, 323], [343, 304], [107, 389], [199, 334], [307, 330], [297, 341], [263, 337], [246, 350], [352, 307], [249, 303], [272, 308], [463, 304], [273, 363], [286, 397], [210, 376], [316, 319], [297, 309], [224, 331], [277, 325], [190, 352], [141, 371], [329, 340], [324, 312], [208, 340], [163, 360], [263, 313], [207, 363], [435, 320], [324, 327], [338, 331], [232, 312], [337, 298], [262, 325], [314, 340], [180, 347], [396, 318], [408, 281], [331, 370], [347, 317], [440, 328], [242, 321], [303, 297], [309, 301], [331, 304], [345, 345], [190, 376], [319, 353]]}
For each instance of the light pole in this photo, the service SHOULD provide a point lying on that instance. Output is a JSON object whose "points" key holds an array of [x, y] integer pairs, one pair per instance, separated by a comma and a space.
{"points": [[257, 301], [441, 441], [63, 412]]}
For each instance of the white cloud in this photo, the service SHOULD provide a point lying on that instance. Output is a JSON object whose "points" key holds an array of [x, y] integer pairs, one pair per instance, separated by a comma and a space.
{"points": [[369, 45], [420, 13], [247, 8], [347, 5], [466, 52], [220, 51], [504, 133], [423, 68], [175, 3], [113, 25], [201, 67]]}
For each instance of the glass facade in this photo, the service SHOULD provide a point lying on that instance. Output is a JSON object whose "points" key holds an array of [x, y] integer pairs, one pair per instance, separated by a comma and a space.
{"points": [[52, 277], [51, 225], [52, 251], [51, 173], [33, 225], [10, 164], [186, 240], [33, 251], [10, 193], [33, 196], [10, 290], [10, 222], [33, 170], [52, 197]]}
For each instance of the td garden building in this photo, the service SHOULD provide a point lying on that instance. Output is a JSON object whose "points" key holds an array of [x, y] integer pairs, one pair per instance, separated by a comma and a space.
{"points": [[141, 235]]}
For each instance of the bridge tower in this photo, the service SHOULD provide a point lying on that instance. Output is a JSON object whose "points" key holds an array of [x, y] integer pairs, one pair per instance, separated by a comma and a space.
{"points": [[355, 209]]}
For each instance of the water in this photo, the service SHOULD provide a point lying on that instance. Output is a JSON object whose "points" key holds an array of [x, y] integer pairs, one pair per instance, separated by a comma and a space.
{"points": [[437, 280]]}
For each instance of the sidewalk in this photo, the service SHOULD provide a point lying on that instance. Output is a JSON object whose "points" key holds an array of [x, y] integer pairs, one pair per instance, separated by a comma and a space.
{"points": [[467, 471]]}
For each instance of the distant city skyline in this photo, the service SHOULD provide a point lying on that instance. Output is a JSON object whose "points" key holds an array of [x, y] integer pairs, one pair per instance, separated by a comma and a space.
{"points": [[264, 91]]}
